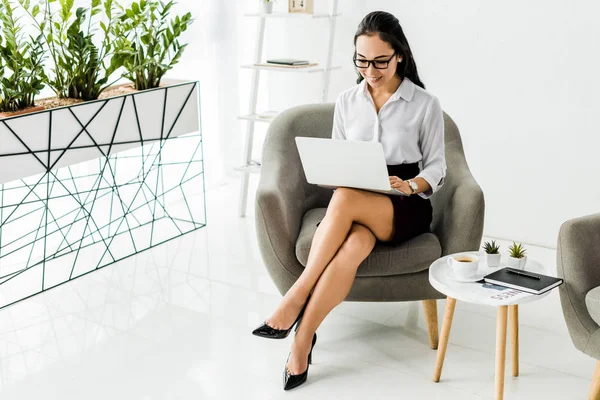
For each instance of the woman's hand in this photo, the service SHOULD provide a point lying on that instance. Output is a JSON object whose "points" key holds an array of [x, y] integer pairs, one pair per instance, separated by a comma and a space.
{"points": [[399, 184]]}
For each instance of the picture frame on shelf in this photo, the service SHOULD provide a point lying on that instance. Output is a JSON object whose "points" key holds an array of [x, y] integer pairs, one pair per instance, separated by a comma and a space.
{"points": [[301, 6]]}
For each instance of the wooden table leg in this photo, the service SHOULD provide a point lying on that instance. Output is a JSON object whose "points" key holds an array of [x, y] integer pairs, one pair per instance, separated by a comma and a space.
{"points": [[514, 337], [431, 317], [501, 323], [444, 335], [595, 386]]}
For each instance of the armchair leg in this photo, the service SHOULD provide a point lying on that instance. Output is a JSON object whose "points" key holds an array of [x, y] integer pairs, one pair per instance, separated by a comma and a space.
{"points": [[431, 316], [595, 387]]}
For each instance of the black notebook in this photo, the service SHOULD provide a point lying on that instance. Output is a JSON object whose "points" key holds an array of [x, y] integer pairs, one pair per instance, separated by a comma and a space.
{"points": [[526, 281]]}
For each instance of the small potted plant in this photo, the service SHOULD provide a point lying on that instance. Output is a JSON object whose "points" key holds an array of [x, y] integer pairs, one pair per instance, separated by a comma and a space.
{"points": [[517, 257], [492, 252], [267, 6]]}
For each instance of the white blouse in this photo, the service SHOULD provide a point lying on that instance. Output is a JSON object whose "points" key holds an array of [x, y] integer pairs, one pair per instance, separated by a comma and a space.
{"points": [[410, 126]]}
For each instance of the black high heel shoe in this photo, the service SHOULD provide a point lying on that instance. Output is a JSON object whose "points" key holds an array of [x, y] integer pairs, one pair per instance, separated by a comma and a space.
{"points": [[265, 331], [293, 381]]}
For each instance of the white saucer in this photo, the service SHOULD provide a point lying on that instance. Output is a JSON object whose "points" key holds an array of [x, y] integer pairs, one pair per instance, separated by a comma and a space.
{"points": [[479, 274]]}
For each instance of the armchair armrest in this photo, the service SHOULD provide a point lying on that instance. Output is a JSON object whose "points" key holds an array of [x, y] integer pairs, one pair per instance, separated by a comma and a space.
{"points": [[283, 195], [279, 208], [459, 206]]}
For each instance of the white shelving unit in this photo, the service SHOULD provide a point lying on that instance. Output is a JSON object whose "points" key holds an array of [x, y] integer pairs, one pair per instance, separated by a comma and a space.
{"points": [[249, 165]]}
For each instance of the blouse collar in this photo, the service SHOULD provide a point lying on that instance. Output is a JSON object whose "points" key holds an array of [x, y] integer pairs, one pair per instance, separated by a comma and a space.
{"points": [[406, 90]]}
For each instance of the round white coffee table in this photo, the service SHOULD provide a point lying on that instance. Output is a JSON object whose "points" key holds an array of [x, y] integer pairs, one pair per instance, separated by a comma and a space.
{"points": [[507, 301]]}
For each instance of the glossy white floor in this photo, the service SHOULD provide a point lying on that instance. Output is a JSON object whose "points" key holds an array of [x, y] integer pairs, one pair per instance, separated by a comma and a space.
{"points": [[175, 322]]}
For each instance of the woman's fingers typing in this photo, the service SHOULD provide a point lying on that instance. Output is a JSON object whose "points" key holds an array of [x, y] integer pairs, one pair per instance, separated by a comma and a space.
{"points": [[396, 182], [399, 184]]}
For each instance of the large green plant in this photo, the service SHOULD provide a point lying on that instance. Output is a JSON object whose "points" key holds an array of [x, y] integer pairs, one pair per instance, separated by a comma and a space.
{"points": [[148, 44], [82, 67], [21, 63]]}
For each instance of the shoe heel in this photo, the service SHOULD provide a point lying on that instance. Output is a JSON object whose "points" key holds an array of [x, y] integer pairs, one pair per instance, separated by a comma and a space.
{"points": [[314, 341]]}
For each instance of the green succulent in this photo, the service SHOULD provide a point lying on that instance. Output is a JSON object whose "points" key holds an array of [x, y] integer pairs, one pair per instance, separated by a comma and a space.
{"points": [[491, 247], [517, 250]]}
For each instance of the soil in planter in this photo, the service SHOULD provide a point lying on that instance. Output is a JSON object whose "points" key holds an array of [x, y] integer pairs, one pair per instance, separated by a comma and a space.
{"points": [[54, 102], [27, 110], [118, 90]]}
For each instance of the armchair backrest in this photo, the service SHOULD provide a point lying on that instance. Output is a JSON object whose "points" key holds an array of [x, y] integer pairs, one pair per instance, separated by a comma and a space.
{"points": [[284, 196]]}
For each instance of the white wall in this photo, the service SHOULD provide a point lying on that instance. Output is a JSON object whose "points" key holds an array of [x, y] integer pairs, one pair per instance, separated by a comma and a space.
{"points": [[519, 78]]}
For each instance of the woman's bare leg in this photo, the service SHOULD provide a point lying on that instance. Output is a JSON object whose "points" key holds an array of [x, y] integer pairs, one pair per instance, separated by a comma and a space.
{"points": [[348, 206], [331, 289]]}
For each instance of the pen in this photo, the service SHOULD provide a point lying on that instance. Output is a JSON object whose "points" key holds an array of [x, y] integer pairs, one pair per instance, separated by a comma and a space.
{"points": [[523, 273]]}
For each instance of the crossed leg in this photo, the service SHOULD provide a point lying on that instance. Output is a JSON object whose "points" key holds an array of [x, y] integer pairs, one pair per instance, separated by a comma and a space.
{"points": [[347, 207], [331, 289], [354, 221]]}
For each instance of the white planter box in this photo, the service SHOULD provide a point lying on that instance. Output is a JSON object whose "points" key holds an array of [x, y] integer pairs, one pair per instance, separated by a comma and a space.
{"points": [[35, 143]]}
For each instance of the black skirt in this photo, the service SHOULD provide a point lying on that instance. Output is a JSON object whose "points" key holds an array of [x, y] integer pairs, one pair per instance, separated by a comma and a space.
{"points": [[412, 214]]}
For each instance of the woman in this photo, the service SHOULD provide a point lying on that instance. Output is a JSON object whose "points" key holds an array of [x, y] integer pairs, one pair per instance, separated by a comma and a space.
{"points": [[389, 105]]}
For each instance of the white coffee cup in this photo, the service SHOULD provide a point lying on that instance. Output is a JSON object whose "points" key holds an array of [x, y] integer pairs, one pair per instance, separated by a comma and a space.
{"points": [[464, 265]]}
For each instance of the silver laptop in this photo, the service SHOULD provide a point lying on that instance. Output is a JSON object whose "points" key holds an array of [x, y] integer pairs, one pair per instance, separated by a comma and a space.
{"points": [[335, 163]]}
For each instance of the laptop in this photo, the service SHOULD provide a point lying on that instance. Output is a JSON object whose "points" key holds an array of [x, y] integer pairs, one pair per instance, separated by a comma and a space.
{"points": [[333, 163]]}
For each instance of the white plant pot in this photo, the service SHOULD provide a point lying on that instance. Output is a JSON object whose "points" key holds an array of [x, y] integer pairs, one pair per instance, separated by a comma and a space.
{"points": [[518, 263], [493, 260], [267, 7]]}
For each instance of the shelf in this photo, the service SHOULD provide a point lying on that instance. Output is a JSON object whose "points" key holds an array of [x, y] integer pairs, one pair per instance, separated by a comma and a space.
{"points": [[307, 70], [261, 117], [252, 168], [292, 15]]}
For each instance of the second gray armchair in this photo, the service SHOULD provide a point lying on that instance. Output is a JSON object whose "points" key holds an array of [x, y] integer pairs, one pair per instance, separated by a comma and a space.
{"points": [[578, 263], [288, 209]]}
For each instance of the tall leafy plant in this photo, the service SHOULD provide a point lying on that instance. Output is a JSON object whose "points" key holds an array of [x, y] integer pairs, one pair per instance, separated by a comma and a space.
{"points": [[82, 67], [148, 44], [21, 63]]}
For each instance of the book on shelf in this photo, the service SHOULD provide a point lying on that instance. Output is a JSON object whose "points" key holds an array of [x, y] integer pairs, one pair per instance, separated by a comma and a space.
{"points": [[266, 114], [287, 61], [526, 281], [267, 64]]}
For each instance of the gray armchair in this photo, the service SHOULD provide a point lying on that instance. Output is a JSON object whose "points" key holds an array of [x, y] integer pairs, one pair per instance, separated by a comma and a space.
{"points": [[578, 263], [288, 209]]}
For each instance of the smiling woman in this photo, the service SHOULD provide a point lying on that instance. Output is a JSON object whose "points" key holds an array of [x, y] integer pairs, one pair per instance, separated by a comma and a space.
{"points": [[388, 105]]}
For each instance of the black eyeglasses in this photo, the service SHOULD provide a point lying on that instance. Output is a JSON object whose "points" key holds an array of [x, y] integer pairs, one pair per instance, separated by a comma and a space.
{"points": [[377, 64]]}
